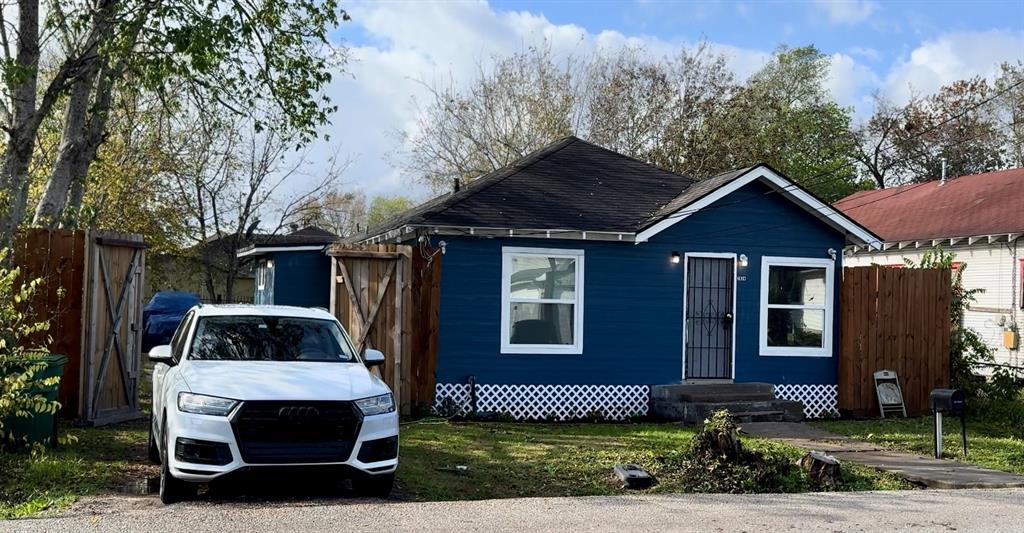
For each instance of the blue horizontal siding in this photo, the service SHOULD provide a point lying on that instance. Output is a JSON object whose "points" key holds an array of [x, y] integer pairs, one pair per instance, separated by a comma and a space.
{"points": [[633, 300]]}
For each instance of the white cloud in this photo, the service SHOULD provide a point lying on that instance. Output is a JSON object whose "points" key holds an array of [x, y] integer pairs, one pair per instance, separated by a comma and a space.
{"points": [[851, 83], [951, 57], [848, 12], [403, 44], [866, 52], [415, 42]]}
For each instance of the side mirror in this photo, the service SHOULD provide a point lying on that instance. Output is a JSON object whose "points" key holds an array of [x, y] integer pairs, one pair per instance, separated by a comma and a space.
{"points": [[372, 358], [161, 354]]}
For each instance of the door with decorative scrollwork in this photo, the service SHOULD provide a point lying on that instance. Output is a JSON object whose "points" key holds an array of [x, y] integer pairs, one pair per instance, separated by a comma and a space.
{"points": [[709, 315]]}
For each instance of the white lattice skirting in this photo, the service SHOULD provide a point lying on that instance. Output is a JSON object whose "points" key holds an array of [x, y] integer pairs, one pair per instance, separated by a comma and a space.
{"points": [[819, 400], [611, 402], [545, 402]]}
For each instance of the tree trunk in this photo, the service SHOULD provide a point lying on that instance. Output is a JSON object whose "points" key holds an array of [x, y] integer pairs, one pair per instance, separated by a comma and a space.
{"points": [[72, 211], [211, 286], [22, 134], [73, 141], [95, 134], [822, 468]]}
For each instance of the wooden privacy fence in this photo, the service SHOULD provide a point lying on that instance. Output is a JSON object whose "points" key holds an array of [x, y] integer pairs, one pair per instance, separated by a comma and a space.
{"points": [[893, 319], [387, 298], [91, 295]]}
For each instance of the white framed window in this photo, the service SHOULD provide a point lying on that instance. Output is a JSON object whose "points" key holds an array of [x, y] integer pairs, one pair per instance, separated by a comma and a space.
{"points": [[797, 303], [541, 301], [263, 273]]}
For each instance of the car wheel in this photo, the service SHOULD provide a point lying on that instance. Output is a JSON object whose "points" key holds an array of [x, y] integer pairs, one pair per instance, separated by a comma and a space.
{"points": [[154, 452], [172, 489], [374, 486]]}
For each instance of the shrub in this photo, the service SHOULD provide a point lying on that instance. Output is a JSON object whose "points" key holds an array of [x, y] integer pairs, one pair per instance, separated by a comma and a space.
{"points": [[718, 462], [20, 363]]}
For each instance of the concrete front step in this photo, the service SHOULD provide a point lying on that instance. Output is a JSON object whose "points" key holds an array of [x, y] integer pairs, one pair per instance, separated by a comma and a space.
{"points": [[714, 392], [745, 411]]}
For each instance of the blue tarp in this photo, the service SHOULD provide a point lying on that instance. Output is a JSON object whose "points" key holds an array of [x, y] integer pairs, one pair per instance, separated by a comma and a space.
{"points": [[162, 315]]}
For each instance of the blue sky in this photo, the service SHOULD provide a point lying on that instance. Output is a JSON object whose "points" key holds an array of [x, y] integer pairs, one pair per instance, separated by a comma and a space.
{"points": [[876, 46]]}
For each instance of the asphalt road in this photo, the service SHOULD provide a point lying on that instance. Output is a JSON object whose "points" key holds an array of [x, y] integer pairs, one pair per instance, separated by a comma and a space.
{"points": [[925, 510]]}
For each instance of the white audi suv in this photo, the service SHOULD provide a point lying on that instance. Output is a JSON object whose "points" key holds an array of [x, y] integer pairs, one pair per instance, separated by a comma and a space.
{"points": [[248, 387]]}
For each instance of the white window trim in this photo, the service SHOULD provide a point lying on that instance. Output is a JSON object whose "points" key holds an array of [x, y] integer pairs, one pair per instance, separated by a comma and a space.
{"points": [[263, 273], [507, 252], [829, 327]]}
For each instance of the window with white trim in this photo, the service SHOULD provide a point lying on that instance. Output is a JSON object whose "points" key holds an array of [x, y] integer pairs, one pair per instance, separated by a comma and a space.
{"points": [[263, 273], [796, 306], [542, 301]]}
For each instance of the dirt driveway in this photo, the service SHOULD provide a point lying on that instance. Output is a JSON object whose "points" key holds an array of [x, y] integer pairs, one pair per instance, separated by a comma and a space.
{"points": [[928, 510]]}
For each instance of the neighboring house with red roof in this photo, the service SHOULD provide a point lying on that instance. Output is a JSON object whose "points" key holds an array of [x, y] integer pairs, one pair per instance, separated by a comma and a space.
{"points": [[980, 218]]}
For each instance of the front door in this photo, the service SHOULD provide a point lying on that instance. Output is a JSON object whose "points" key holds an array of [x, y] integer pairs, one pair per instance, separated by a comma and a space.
{"points": [[709, 312]]}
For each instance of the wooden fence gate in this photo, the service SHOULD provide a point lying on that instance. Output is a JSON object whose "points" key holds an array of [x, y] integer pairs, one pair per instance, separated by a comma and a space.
{"points": [[387, 298], [893, 319], [113, 336], [91, 295]]}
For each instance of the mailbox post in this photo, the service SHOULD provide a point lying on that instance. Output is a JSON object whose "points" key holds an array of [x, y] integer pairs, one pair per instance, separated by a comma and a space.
{"points": [[951, 401]]}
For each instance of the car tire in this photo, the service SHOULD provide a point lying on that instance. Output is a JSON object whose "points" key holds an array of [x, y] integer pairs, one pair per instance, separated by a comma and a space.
{"points": [[378, 486], [172, 489], [154, 451]]}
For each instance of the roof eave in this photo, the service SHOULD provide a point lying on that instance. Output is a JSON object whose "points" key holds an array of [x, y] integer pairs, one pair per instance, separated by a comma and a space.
{"points": [[260, 250], [410, 231], [854, 232]]}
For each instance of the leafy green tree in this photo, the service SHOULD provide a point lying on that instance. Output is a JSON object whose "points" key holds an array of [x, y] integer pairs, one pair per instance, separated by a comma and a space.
{"points": [[1010, 109], [785, 116], [249, 57], [662, 111], [383, 208], [685, 113], [973, 125]]}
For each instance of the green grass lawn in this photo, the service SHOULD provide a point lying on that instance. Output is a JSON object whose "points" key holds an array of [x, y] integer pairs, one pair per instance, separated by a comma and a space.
{"points": [[992, 441], [516, 460], [103, 460], [504, 459]]}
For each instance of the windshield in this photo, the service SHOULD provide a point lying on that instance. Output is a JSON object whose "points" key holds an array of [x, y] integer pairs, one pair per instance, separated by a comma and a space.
{"points": [[269, 338]]}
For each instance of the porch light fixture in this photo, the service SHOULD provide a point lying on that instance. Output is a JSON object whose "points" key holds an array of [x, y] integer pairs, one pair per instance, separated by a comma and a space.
{"points": [[743, 260], [675, 258]]}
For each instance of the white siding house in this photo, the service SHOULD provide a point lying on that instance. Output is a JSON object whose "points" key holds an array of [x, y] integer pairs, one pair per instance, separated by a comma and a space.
{"points": [[980, 218], [995, 267]]}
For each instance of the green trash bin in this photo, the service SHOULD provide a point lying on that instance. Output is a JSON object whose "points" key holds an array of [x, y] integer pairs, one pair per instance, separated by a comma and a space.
{"points": [[40, 427]]}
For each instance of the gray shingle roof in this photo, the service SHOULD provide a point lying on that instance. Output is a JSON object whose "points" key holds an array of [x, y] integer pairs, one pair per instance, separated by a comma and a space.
{"points": [[568, 185]]}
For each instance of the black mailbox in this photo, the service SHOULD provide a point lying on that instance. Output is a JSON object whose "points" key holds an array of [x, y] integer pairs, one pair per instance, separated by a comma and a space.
{"points": [[948, 401]]}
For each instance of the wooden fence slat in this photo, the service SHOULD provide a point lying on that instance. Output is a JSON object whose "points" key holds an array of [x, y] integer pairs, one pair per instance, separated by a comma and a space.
{"points": [[895, 319], [387, 305]]}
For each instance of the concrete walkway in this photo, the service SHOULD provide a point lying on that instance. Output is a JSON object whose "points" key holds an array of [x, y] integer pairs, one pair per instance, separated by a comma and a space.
{"points": [[928, 471]]}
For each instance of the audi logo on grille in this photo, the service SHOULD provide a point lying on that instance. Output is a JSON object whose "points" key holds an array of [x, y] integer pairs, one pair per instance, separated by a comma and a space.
{"points": [[298, 414]]}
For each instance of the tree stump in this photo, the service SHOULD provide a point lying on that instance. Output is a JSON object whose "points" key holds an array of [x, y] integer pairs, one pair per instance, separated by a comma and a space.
{"points": [[822, 468]]}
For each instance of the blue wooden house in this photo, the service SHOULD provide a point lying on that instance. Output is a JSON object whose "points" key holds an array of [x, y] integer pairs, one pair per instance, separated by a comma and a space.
{"points": [[578, 280], [292, 269]]}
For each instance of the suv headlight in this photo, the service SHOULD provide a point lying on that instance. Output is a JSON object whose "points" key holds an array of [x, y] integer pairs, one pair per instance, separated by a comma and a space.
{"points": [[376, 405], [201, 404]]}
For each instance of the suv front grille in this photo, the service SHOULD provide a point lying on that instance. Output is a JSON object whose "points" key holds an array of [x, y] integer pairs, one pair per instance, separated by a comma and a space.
{"points": [[296, 432]]}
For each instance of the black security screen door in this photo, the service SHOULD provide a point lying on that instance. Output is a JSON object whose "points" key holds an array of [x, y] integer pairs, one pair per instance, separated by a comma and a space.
{"points": [[710, 282]]}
